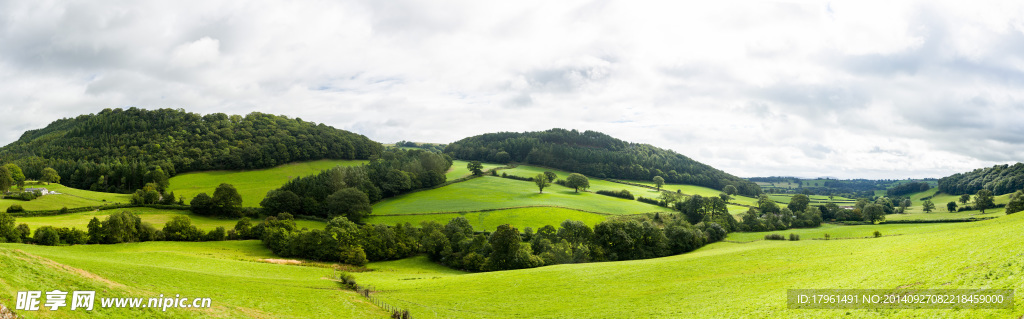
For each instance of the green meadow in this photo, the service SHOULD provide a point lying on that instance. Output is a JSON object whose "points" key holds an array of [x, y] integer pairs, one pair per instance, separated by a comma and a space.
{"points": [[68, 197], [252, 185], [726, 280], [535, 217], [230, 273], [157, 217], [459, 170], [488, 193]]}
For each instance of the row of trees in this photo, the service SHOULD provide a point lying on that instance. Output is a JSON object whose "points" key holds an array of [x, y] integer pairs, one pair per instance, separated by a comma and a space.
{"points": [[348, 191], [118, 227], [1000, 179], [595, 154], [115, 149]]}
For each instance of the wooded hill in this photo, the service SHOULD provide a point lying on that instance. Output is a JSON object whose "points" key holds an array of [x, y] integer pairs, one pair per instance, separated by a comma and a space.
{"points": [[1000, 179], [120, 150], [595, 154]]}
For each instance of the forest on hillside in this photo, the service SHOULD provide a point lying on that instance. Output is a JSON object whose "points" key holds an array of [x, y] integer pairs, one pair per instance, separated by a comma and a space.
{"points": [[120, 150], [595, 154], [1000, 179]]}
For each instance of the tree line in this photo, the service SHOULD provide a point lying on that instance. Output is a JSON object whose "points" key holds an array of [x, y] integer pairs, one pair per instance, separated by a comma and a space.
{"points": [[595, 154], [119, 150], [1000, 179]]}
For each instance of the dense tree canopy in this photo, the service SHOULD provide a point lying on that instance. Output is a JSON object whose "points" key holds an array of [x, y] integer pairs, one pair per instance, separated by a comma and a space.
{"points": [[1000, 179], [596, 154], [114, 150]]}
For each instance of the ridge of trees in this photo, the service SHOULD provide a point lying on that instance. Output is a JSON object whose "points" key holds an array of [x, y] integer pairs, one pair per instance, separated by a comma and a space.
{"points": [[1000, 179], [595, 154], [119, 150]]}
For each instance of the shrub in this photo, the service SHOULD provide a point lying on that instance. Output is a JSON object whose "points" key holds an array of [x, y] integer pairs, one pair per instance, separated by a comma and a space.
{"points": [[347, 280], [15, 209], [878, 234], [620, 194], [827, 236], [774, 237], [794, 237], [651, 201]]}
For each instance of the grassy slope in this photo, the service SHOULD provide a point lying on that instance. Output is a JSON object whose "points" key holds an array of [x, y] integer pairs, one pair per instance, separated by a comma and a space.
{"points": [[726, 279], [69, 197], [252, 185], [154, 216], [226, 272], [535, 217], [493, 192], [459, 170]]}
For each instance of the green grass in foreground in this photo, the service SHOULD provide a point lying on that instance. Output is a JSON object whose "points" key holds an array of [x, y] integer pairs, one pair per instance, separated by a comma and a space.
{"points": [[726, 280], [69, 197], [535, 217], [156, 217], [228, 272], [494, 192], [252, 185]]}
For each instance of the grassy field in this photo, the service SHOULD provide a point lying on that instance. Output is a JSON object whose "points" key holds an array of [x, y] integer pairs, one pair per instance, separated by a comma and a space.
{"points": [[154, 216], [228, 272], [854, 231], [459, 169], [494, 192], [726, 280], [814, 199], [69, 197], [252, 185], [535, 217]]}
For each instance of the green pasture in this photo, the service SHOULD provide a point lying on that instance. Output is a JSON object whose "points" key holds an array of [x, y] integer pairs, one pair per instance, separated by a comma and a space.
{"points": [[228, 272], [535, 217], [814, 199], [486, 193], [459, 170], [252, 185], [68, 197], [728, 280], [156, 217]]}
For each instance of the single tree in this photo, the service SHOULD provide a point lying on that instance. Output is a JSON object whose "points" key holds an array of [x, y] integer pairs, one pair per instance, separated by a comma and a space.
{"points": [[227, 201], [577, 181], [951, 206], [730, 190], [928, 206], [874, 213], [964, 199], [906, 203], [542, 181], [1016, 203], [6, 181], [17, 175], [476, 167], [658, 182], [50, 176], [551, 176], [798, 203], [725, 197], [983, 200]]}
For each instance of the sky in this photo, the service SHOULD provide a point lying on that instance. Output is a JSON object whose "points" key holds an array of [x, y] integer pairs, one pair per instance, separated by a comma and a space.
{"points": [[846, 89]]}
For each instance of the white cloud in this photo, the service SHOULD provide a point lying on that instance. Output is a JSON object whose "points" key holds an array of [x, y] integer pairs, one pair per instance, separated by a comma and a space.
{"points": [[843, 88]]}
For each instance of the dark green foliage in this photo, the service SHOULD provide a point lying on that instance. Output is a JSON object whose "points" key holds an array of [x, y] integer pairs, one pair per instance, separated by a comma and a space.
{"points": [[1000, 179], [476, 167], [577, 181], [658, 182], [350, 203], [180, 228], [7, 229], [965, 198], [928, 206], [217, 234], [798, 202], [542, 181], [951, 207], [983, 200], [16, 173], [509, 251], [551, 176], [596, 154], [767, 205], [1016, 203], [226, 201], [23, 231], [46, 235], [119, 227], [620, 194], [794, 237], [878, 234], [774, 237], [907, 188], [874, 213], [116, 149], [202, 204], [698, 209], [49, 175], [394, 172], [280, 201], [6, 181], [730, 190]]}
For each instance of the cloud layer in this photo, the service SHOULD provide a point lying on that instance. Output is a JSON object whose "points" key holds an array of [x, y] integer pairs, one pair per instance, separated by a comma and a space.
{"points": [[849, 89]]}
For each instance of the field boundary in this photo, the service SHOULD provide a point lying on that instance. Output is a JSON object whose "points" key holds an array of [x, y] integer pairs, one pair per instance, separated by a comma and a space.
{"points": [[505, 208]]}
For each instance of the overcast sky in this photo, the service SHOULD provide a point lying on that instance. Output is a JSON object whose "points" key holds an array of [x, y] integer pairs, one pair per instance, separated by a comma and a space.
{"points": [[846, 89]]}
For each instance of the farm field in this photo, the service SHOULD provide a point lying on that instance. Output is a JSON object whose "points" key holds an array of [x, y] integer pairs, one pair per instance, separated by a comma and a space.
{"points": [[489, 192], [848, 231], [227, 272], [459, 170], [733, 280], [815, 199], [68, 197], [252, 185], [156, 217], [535, 217]]}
